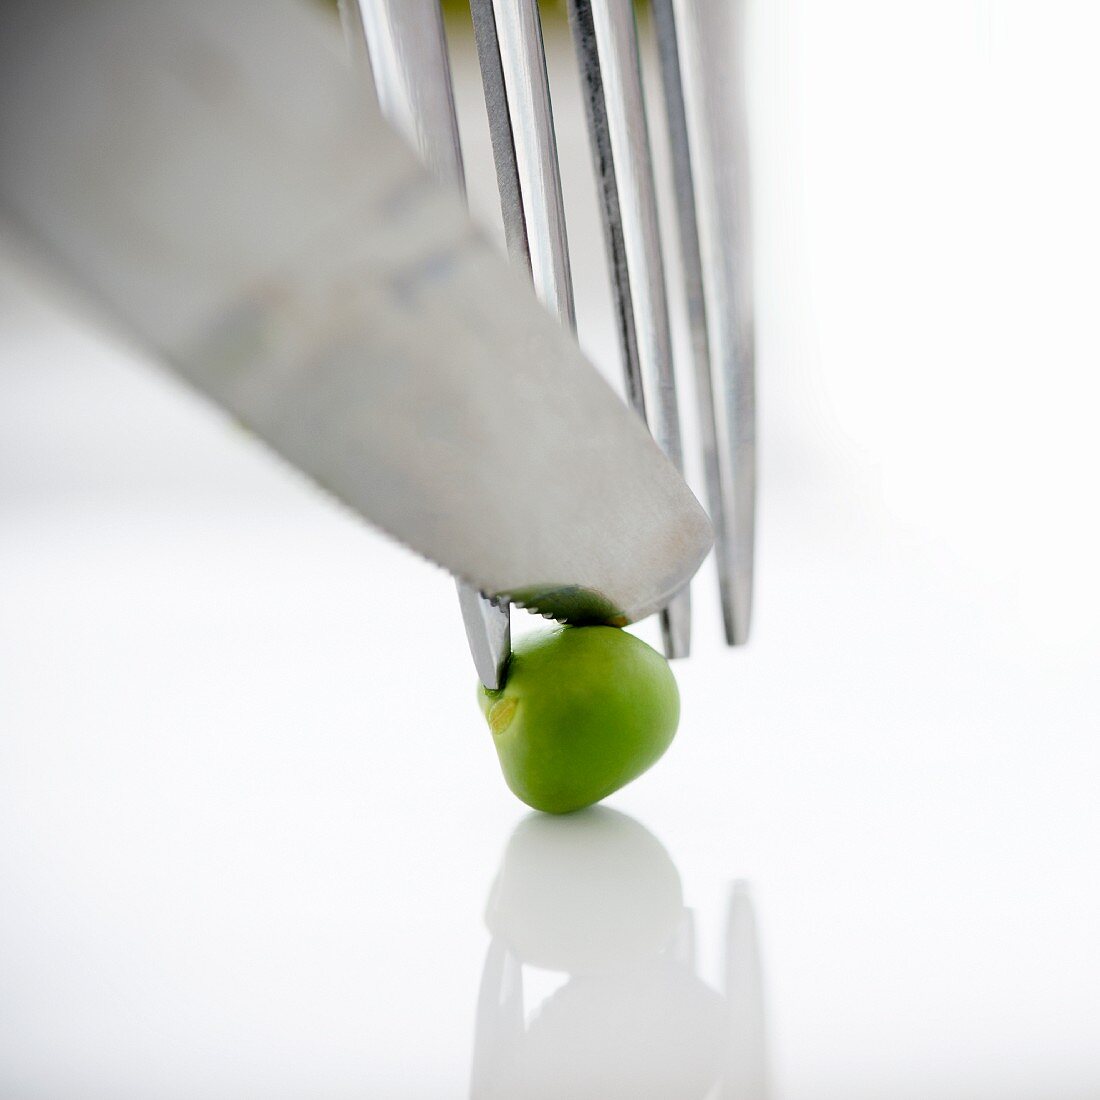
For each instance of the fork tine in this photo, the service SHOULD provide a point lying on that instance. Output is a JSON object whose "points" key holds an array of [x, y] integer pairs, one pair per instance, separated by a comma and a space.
{"points": [[500, 130], [412, 73], [606, 41], [355, 42], [584, 39], [509, 38], [664, 23], [715, 118], [525, 154]]}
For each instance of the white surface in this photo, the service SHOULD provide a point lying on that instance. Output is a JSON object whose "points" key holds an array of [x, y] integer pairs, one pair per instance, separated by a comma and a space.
{"points": [[249, 813]]}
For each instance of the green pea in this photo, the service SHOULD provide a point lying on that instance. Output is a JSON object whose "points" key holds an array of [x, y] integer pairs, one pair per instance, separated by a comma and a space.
{"points": [[584, 711]]}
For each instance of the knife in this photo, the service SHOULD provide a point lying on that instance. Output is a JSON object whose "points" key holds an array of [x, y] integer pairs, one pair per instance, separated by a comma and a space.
{"points": [[211, 176]]}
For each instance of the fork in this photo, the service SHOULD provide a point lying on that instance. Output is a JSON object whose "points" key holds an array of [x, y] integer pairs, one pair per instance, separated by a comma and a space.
{"points": [[400, 48]]}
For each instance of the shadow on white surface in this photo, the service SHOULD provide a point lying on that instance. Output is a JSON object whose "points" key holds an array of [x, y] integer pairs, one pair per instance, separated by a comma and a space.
{"points": [[597, 898]]}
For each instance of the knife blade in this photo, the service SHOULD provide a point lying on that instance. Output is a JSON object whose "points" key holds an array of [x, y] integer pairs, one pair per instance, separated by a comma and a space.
{"points": [[210, 175]]}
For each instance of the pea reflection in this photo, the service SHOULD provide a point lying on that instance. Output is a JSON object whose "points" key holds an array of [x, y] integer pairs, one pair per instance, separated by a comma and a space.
{"points": [[597, 898]]}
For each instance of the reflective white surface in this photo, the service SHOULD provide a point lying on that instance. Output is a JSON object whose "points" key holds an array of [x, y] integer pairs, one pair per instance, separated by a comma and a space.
{"points": [[596, 899], [253, 839]]}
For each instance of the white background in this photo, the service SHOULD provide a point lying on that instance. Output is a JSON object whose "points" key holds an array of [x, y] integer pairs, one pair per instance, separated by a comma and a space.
{"points": [[249, 812]]}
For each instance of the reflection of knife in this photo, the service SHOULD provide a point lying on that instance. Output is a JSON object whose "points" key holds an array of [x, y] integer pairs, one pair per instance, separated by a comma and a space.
{"points": [[208, 173]]}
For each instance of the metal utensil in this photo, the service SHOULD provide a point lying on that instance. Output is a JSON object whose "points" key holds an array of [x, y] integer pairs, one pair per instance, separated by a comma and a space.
{"points": [[705, 119], [400, 39], [700, 45], [408, 53], [212, 176], [607, 52]]}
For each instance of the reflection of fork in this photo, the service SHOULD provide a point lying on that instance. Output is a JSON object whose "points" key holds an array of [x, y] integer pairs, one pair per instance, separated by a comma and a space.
{"points": [[746, 1069], [699, 47], [599, 899]]}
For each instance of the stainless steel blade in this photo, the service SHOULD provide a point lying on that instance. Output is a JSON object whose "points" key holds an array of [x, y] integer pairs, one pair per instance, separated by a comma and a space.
{"points": [[211, 174]]}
